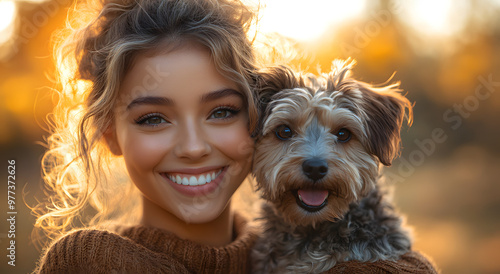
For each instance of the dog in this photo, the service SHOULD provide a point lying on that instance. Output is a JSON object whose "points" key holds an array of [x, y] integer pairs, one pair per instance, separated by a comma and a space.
{"points": [[320, 145]]}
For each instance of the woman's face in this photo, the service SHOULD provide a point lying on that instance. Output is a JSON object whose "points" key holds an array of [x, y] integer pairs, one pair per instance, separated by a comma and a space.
{"points": [[182, 129]]}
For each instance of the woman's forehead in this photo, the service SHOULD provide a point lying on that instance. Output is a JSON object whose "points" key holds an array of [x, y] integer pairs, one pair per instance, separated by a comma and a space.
{"points": [[184, 71]]}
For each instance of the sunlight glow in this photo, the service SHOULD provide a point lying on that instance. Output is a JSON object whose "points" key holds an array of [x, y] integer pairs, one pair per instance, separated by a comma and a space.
{"points": [[306, 20], [8, 11], [36, 1], [441, 17], [7, 14]]}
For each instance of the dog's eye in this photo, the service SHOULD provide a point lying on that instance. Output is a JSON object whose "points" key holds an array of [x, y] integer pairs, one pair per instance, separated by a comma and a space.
{"points": [[283, 132], [343, 135]]}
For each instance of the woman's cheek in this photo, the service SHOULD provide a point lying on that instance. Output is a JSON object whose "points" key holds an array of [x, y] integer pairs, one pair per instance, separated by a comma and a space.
{"points": [[146, 150], [235, 142]]}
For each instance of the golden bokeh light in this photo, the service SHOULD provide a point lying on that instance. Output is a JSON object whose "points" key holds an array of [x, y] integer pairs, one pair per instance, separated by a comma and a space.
{"points": [[430, 17], [8, 11], [295, 19]]}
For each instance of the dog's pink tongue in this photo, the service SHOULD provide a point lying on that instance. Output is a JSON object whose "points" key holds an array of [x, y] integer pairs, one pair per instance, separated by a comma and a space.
{"points": [[313, 197]]}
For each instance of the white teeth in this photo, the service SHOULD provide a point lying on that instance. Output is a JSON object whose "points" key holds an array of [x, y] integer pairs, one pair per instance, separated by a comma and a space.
{"points": [[193, 180], [300, 198], [201, 180]]}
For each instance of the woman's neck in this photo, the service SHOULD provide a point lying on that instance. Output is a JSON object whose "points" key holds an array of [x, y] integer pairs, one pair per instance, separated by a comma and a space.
{"points": [[218, 232]]}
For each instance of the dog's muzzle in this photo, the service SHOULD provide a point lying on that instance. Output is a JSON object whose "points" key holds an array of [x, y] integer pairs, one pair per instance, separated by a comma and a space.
{"points": [[315, 168], [312, 199]]}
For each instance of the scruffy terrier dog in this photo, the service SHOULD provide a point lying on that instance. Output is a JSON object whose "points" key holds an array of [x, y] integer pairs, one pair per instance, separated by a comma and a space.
{"points": [[319, 149]]}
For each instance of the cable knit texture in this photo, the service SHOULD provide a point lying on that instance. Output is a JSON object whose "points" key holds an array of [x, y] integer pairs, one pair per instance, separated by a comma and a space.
{"points": [[141, 249]]}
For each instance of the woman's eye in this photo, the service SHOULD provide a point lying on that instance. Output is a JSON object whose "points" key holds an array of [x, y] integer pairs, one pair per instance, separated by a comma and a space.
{"points": [[154, 120], [343, 135], [223, 113], [151, 120]]}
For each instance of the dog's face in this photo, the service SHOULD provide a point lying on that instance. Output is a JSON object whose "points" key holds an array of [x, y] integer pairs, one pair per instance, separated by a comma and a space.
{"points": [[318, 150]]}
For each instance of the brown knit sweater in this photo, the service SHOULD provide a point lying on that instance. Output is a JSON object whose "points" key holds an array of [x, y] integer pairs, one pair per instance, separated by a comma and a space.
{"points": [[411, 262], [141, 249]]}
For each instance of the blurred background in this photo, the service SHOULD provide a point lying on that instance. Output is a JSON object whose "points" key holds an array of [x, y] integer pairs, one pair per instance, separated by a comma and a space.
{"points": [[445, 53]]}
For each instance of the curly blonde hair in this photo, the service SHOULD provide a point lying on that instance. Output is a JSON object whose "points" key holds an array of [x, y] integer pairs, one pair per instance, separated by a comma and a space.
{"points": [[86, 185]]}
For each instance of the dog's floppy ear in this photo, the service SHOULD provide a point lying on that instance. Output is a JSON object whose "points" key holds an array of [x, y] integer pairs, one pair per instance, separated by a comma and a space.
{"points": [[385, 109], [270, 81]]}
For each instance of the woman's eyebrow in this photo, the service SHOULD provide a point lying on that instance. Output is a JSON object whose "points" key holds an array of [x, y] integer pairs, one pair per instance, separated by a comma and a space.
{"points": [[155, 100], [150, 100], [214, 95]]}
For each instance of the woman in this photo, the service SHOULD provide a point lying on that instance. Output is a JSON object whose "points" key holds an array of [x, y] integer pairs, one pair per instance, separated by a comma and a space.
{"points": [[164, 89]]}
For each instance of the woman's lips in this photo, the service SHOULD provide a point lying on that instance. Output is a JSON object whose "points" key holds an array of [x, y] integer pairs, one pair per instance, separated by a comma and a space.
{"points": [[192, 185]]}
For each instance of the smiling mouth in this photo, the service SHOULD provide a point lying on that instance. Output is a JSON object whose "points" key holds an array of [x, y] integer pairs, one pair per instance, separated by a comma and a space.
{"points": [[311, 200], [192, 180]]}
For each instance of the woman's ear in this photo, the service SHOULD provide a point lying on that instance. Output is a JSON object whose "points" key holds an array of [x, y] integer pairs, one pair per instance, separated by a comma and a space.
{"points": [[111, 140]]}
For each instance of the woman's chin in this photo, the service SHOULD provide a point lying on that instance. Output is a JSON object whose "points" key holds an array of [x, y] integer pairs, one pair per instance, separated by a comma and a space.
{"points": [[201, 213]]}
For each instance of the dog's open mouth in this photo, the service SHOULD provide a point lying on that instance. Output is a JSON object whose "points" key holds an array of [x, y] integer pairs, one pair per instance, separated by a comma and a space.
{"points": [[311, 199]]}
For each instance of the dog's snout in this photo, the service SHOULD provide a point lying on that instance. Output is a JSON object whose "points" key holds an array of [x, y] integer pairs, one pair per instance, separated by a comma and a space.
{"points": [[315, 168]]}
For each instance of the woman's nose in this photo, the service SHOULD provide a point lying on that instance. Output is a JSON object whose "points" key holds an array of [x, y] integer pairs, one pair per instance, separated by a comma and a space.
{"points": [[192, 142]]}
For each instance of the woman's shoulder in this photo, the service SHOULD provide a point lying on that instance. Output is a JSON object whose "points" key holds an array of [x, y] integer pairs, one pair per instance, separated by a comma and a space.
{"points": [[411, 262], [102, 251]]}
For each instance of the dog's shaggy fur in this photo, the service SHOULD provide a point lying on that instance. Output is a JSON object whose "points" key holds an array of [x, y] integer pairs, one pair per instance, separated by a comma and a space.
{"points": [[319, 149]]}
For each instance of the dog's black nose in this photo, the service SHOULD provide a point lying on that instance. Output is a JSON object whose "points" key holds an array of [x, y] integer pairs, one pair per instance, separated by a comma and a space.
{"points": [[315, 168]]}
